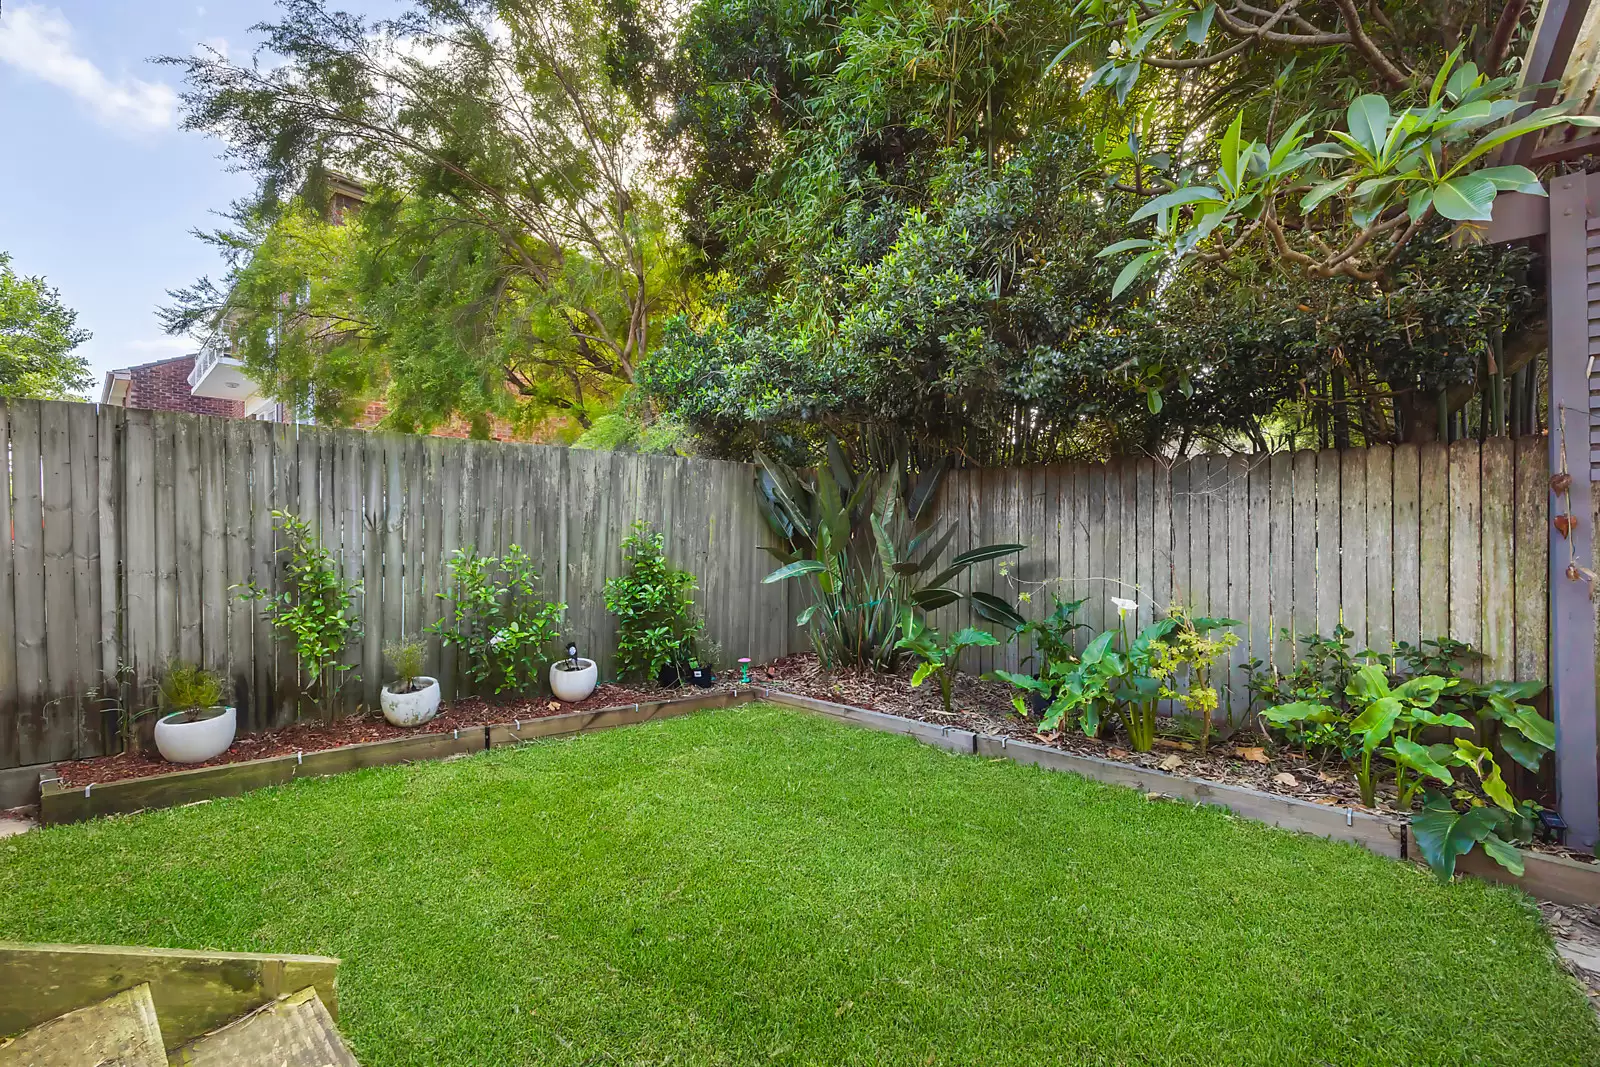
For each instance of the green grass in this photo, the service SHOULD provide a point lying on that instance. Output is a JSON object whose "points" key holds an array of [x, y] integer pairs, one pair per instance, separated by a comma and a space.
{"points": [[763, 886]]}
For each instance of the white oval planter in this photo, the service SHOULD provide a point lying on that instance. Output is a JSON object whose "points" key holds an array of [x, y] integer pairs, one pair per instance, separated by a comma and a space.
{"points": [[572, 686], [195, 742], [414, 708]]}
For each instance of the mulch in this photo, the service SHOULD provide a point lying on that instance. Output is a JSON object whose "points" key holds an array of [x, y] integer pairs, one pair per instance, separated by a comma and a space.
{"points": [[315, 736], [985, 707]]}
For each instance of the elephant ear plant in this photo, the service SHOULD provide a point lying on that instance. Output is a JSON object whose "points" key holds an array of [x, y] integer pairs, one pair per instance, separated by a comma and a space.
{"points": [[1384, 722], [867, 543], [940, 658]]}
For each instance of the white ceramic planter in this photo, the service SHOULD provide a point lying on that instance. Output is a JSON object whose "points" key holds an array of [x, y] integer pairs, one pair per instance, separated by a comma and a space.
{"points": [[572, 686], [414, 708], [195, 742]]}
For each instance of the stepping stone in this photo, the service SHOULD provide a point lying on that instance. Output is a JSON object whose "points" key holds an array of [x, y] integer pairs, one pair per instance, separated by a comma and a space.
{"points": [[296, 1031], [120, 1031]]}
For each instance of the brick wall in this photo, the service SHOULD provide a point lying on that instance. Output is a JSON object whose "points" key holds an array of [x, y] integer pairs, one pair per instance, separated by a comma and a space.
{"points": [[164, 386]]}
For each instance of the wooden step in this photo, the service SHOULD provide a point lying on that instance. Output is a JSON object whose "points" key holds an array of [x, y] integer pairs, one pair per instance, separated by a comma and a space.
{"points": [[120, 1031], [296, 1031]]}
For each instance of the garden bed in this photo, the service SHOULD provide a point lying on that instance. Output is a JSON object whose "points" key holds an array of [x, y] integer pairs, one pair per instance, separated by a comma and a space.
{"points": [[985, 707], [61, 802], [320, 736]]}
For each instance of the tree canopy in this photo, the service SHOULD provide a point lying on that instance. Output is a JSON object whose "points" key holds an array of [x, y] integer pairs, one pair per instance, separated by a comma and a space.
{"points": [[1008, 230], [38, 334]]}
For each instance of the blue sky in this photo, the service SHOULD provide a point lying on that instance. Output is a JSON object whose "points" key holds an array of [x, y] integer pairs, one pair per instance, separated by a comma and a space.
{"points": [[98, 187]]}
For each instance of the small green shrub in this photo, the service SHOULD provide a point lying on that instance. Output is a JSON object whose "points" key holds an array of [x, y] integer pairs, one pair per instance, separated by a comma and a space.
{"points": [[939, 658], [654, 606], [497, 619], [405, 657], [312, 611], [189, 689]]}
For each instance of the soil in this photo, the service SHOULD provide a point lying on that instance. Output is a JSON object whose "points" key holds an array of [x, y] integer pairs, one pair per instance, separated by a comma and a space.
{"points": [[314, 736]]}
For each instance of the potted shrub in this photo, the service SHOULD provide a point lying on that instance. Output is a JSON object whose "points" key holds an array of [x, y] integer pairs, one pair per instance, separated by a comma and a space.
{"points": [[413, 697], [573, 678], [195, 726]]}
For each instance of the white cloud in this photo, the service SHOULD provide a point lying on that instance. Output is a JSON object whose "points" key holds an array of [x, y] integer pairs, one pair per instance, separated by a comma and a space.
{"points": [[38, 41]]}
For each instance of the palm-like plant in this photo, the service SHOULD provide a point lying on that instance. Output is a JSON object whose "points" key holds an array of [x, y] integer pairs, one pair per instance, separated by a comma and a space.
{"points": [[867, 544]]}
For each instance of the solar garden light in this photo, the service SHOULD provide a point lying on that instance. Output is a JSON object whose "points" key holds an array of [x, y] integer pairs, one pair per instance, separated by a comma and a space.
{"points": [[1554, 825], [572, 654]]}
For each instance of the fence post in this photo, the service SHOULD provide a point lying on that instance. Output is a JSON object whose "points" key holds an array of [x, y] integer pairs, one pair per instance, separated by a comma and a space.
{"points": [[1572, 620]]}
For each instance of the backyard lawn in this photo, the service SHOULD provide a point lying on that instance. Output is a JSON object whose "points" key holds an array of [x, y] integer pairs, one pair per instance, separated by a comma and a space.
{"points": [[764, 886]]}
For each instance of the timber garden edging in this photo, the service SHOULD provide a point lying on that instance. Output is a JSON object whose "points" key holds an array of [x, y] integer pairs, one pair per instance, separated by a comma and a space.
{"points": [[1548, 877]]}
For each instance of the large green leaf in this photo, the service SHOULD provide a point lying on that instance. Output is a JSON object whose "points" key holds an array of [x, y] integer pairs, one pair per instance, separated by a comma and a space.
{"points": [[1504, 853], [1531, 725], [988, 606], [1465, 198], [1299, 711], [1023, 681], [1376, 722], [1192, 194], [923, 671], [794, 570], [1130, 274], [1483, 762], [1369, 121], [1443, 834], [928, 558], [971, 637], [1421, 760], [987, 552], [1368, 683], [1522, 750], [1513, 179]]}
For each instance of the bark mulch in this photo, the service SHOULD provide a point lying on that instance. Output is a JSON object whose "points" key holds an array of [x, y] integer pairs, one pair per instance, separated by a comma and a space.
{"points": [[315, 736]]}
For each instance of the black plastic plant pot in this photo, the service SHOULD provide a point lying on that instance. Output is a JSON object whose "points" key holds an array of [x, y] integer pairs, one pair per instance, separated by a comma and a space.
{"points": [[1038, 704], [702, 677], [669, 677]]}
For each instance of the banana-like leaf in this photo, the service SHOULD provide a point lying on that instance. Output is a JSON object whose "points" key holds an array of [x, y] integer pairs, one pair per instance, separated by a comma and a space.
{"points": [[794, 570], [988, 606], [931, 599], [839, 467], [805, 616], [987, 552]]}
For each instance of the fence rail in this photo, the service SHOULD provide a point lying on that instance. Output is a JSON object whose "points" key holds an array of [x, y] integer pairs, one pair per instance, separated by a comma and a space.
{"points": [[1398, 544], [130, 530]]}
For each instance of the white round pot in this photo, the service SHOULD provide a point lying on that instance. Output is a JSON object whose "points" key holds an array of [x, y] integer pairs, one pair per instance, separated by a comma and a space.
{"points": [[414, 708], [573, 686], [195, 742]]}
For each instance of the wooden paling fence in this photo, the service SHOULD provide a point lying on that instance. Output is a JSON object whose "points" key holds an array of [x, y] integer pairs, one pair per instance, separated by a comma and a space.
{"points": [[130, 531], [1397, 544]]}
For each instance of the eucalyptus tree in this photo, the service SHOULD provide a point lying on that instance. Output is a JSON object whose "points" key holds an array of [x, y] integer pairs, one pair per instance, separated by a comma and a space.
{"points": [[513, 251]]}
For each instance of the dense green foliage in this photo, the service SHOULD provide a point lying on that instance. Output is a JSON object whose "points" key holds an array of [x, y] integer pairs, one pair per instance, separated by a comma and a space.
{"points": [[497, 621], [866, 542], [511, 258], [311, 610], [189, 688], [654, 604], [765, 886], [906, 233], [37, 336]]}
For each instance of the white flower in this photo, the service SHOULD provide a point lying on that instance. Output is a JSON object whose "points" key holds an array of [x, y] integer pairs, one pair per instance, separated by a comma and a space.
{"points": [[498, 639], [1124, 606]]}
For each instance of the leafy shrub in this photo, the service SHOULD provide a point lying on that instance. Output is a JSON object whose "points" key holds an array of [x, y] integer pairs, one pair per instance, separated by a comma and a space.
{"points": [[939, 658], [190, 689], [1391, 707], [864, 540], [312, 610], [654, 606], [405, 657], [497, 619]]}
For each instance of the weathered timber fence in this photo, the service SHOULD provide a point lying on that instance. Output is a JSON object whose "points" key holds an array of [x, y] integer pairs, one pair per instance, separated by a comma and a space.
{"points": [[130, 530], [1397, 544]]}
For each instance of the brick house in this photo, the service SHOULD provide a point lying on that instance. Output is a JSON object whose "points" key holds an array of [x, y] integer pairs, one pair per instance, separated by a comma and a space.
{"points": [[164, 386]]}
